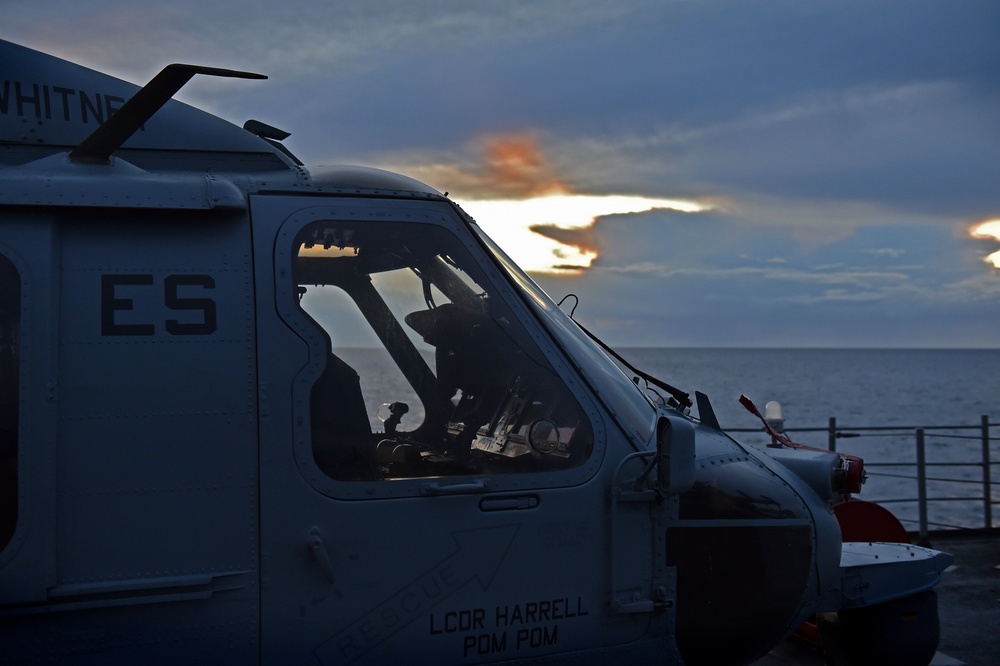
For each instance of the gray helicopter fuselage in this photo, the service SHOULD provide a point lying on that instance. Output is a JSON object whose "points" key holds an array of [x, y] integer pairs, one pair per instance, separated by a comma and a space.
{"points": [[254, 412]]}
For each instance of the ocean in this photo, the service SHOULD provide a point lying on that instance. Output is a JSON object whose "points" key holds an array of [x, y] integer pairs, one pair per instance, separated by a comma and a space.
{"points": [[862, 388]]}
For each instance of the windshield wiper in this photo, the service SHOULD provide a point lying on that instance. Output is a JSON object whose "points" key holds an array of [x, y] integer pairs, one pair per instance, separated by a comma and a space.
{"points": [[678, 397]]}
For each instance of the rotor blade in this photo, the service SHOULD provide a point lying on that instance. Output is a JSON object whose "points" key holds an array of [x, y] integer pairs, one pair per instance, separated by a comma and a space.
{"points": [[106, 139]]}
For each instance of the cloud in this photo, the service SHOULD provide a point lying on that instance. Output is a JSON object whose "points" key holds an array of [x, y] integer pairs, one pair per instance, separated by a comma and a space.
{"points": [[885, 252], [809, 105], [826, 144], [919, 146], [507, 183], [502, 166], [853, 277], [978, 288], [301, 37]]}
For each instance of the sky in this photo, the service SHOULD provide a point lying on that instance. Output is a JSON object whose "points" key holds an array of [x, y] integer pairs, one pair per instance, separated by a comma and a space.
{"points": [[735, 173]]}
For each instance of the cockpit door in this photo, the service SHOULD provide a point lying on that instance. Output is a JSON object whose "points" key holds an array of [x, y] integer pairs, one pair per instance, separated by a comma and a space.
{"points": [[428, 461]]}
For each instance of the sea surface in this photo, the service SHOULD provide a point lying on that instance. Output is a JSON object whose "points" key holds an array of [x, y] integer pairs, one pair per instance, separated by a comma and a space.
{"points": [[861, 388], [904, 389]]}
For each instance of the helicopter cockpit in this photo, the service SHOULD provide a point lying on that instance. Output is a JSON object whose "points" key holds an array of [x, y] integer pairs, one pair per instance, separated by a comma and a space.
{"points": [[426, 371]]}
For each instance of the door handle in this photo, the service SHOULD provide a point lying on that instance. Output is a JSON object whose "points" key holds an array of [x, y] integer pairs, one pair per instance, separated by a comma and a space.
{"points": [[319, 553]]}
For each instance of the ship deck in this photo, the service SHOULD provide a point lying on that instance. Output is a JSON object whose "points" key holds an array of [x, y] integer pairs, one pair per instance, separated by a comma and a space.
{"points": [[968, 606]]}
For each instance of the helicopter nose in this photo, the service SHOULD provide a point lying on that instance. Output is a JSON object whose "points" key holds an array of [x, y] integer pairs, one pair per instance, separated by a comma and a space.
{"points": [[748, 551]]}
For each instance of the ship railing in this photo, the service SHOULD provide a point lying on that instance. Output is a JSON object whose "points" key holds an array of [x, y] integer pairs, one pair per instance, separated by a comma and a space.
{"points": [[930, 476]]}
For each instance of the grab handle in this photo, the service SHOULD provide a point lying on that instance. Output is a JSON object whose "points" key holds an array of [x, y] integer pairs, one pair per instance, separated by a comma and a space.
{"points": [[454, 488]]}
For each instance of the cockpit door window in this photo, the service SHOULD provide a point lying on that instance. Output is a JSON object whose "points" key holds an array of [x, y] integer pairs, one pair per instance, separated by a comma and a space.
{"points": [[418, 366]]}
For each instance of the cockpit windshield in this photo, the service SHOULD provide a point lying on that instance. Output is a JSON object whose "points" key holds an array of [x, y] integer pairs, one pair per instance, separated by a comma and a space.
{"points": [[635, 412]]}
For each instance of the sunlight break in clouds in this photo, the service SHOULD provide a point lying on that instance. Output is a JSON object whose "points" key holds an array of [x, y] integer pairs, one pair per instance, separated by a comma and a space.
{"points": [[988, 229], [533, 214], [525, 228]]}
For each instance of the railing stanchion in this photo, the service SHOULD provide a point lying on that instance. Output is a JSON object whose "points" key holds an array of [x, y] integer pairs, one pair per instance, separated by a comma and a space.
{"points": [[960, 456], [921, 487], [987, 489]]}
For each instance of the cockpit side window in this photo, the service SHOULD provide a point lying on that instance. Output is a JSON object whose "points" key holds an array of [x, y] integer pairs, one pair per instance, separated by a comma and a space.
{"points": [[10, 317], [422, 369]]}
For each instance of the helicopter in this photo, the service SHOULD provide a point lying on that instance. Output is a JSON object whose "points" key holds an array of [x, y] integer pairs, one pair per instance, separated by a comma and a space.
{"points": [[254, 412]]}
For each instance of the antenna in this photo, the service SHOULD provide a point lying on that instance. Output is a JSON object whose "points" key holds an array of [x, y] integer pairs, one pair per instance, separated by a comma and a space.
{"points": [[106, 139]]}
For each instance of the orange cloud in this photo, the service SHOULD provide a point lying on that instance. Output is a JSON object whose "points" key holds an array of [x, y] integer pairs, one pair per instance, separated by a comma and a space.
{"points": [[502, 166], [517, 167]]}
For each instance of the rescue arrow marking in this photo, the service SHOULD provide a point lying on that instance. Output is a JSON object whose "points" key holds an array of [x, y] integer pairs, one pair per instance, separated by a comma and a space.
{"points": [[478, 555]]}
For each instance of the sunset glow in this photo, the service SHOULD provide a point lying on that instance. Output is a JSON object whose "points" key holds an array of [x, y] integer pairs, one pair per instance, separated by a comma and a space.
{"points": [[528, 206], [989, 229], [527, 229]]}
